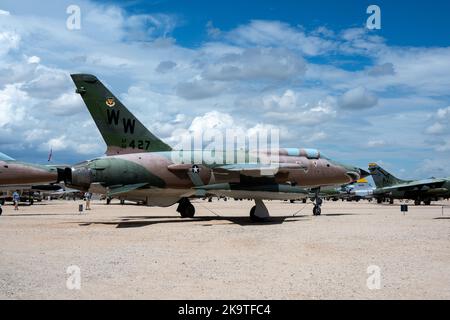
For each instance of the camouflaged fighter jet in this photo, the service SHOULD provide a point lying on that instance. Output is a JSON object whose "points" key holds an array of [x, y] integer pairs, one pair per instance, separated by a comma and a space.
{"points": [[140, 167], [390, 187], [17, 175], [359, 190]]}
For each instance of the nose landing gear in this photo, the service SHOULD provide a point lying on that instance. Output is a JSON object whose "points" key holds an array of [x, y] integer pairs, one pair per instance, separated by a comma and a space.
{"points": [[317, 210]]}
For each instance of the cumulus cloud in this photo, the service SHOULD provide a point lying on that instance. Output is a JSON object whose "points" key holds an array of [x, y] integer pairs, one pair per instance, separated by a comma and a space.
{"points": [[165, 66], [440, 126], [376, 143], [279, 34], [260, 73], [212, 31], [9, 40], [13, 105], [66, 104], [199, 89], [382, 70], [286, 108], [257, 64], [357, 98]]}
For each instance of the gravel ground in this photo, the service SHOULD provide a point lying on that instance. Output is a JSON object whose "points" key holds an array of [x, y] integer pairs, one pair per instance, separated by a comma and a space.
{"points": [[136, 252]]}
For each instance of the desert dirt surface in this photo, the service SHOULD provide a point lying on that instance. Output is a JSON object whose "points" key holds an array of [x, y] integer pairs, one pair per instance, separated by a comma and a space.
{"points": [[137, 252]]}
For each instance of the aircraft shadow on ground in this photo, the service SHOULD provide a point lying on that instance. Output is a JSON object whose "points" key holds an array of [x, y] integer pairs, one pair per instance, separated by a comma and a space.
{"points": [[24, 215], [143, 221]]}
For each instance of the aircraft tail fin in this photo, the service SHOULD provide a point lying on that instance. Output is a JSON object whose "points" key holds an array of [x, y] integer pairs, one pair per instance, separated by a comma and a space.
{"points": [[382, 178], [121, 130]]}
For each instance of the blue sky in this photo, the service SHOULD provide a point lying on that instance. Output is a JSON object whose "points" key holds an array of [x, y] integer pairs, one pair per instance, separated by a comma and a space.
{"points": [[310, 69], [405, 22]]}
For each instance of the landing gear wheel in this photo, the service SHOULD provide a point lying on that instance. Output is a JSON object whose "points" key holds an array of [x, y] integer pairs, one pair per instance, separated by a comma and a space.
{"points": [[417, 202], [317, 204], [379, 200], [427, 202], [391, 201], [186, 209], [254, 217], [317, 210], [108, 200]]}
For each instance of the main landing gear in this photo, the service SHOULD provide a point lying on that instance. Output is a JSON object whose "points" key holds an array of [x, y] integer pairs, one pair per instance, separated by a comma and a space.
{"points": [[317, 210], [259, 212], [185, 208]]}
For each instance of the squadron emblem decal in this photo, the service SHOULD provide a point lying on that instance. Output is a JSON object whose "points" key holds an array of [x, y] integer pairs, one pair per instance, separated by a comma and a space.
{"points": [[110, 102]]}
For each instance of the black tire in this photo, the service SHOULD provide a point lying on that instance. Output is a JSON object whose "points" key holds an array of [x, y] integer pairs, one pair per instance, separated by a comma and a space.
{"points": [[187, 210], [379, 200], [417, 202], [317, 211], [1, 211], [254, 217], [427, 202], [391, 201], [108, 200]]}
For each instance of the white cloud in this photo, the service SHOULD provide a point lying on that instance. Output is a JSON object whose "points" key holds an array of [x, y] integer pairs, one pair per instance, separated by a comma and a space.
{"points": [[199, 89], [357, 98], [303, 115], [436, 128], [13, 105], [376, 143], [261, 74], [257, 64], [8, 40], [66, 104], [33, 60], [279, 34], [382, 70]]}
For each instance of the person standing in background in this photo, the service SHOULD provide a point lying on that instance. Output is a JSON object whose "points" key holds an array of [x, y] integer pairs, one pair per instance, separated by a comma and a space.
{"points": [[87, 198], [16, 199]]}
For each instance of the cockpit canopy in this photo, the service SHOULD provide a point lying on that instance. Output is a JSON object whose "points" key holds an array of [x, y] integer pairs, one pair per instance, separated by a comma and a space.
{"points": [[296, 152]]}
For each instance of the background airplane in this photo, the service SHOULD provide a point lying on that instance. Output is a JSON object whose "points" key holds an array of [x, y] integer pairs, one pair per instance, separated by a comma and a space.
{"points": [[23, 176], [389, 187], [355, 191], [141, 167]]}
